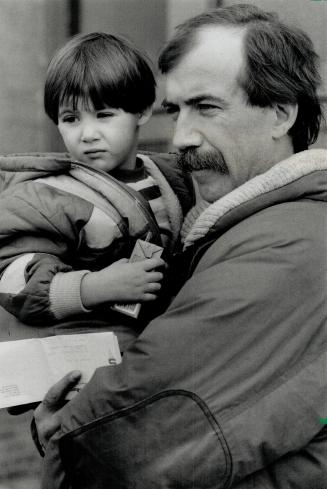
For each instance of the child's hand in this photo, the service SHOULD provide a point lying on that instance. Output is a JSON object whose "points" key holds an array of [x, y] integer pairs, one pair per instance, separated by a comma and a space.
{"points": [[123, 282], [134, 282]]}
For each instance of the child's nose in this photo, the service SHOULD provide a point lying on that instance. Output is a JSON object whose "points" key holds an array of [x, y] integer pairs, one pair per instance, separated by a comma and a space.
{"points": [[89, 133]]}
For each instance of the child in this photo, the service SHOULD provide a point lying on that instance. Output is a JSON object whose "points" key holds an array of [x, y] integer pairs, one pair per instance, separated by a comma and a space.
{"points": [[67, 226]]}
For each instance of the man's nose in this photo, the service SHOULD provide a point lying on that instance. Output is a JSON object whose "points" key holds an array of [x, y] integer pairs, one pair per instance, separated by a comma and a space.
{"points": [[89, 132], [185, 133]]}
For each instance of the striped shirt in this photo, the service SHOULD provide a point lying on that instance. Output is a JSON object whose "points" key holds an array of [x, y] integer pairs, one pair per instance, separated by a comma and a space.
{"points": [[141, 181]]}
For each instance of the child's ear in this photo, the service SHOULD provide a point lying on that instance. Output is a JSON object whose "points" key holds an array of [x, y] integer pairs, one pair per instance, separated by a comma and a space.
{"points": [[145, 116]]}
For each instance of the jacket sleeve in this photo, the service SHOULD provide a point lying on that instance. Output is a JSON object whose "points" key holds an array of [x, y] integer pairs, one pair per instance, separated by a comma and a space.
{"points": [[40, 231], [230, 381]]}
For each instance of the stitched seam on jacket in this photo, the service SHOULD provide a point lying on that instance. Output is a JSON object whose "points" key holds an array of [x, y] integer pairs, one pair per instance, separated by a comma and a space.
{"points": [[150, 400]]}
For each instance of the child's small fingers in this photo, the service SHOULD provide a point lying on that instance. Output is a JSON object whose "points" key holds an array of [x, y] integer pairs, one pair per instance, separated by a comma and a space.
{"points": [[154, 277], [152, 263], [153, 287], [122, 260], [148, 297]]}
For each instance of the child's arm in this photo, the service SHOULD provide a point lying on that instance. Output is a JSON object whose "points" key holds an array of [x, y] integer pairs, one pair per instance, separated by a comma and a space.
{"points": [[40, 234], [40, 289], [122, 282]]}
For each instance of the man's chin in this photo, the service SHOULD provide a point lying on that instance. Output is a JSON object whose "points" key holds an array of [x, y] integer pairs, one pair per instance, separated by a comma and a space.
{"points": [[204, 173], [211, 184]]}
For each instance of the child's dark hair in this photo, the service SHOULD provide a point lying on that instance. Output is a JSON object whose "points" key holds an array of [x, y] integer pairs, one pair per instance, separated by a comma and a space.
{"points": [[100, 68]]}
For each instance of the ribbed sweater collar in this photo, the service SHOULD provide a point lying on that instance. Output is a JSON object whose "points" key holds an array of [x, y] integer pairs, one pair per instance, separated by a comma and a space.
{"points": [[280, 175]]}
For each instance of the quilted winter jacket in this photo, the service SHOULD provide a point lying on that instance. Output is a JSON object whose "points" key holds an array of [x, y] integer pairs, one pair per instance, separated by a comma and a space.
{"points": [[228, 387], [60, 218]]}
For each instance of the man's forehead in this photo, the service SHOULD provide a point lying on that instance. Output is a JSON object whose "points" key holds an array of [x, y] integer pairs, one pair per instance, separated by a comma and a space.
{"points": [[215, 44], [214, 62]]}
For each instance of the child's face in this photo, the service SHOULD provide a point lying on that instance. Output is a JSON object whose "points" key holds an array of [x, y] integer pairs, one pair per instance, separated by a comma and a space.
{"points": [[104, 139]]}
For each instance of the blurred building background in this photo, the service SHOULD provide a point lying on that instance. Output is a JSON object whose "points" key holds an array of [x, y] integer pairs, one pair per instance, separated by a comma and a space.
{"points": [[30, 32]]}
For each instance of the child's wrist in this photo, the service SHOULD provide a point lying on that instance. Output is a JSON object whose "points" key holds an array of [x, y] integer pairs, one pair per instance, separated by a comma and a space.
{"points": [[96, 289], [89, 290]]}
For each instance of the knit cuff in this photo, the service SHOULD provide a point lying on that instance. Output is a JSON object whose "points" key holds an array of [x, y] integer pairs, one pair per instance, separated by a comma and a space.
{"points": [[65, 294]]}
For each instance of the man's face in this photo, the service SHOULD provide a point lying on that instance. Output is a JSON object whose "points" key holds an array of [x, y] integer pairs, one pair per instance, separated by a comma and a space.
{"points": [[221, 139]]}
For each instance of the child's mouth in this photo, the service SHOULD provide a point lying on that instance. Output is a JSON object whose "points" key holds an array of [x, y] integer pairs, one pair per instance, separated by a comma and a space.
{"points": [[98, 153]]}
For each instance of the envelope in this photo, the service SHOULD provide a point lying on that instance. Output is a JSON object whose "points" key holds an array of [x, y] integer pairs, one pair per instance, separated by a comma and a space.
{"points": [[145, 249], [142, 249]]}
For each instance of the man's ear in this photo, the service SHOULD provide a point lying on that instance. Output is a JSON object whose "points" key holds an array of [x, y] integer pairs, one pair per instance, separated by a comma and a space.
{"points": [[145, 116], [285, 117]]}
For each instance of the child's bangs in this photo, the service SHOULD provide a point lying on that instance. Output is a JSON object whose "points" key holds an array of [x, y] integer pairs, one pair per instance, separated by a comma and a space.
{"points": [[91, 89]]}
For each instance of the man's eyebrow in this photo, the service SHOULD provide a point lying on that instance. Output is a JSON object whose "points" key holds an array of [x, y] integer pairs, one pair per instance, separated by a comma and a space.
{"points": [[205, 98], [196, 100]]}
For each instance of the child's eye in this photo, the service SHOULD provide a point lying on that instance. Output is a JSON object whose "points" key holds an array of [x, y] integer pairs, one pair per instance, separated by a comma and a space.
{"points": [[69, 118], [105, 114]]}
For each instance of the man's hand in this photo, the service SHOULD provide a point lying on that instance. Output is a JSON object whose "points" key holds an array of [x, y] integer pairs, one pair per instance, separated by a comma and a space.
{"points": [[47, 414], [123, 282]]}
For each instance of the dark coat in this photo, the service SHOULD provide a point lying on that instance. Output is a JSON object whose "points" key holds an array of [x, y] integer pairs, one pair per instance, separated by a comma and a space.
{"points": [[226, 389]]}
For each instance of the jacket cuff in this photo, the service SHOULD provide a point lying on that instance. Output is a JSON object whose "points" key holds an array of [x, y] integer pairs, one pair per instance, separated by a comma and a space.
{"points": [[65, 294]]}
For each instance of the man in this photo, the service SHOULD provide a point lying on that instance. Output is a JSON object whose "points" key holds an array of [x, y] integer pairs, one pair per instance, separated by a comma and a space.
{"points": [[227, 388]]}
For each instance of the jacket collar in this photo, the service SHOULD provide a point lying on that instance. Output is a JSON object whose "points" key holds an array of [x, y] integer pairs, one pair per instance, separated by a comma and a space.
{"points": [[278, 184]]}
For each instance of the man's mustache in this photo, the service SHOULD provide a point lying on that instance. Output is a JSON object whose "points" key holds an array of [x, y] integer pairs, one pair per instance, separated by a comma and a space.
{"points": [[190, 160]]}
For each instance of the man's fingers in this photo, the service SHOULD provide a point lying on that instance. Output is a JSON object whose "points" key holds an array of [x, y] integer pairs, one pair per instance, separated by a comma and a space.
{"points": [[57, 393], [46, 415], [46, 428]]}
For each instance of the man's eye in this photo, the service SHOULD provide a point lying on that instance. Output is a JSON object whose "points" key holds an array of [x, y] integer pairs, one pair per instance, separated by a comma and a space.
{"points": [[207, 108], [172, 110]]}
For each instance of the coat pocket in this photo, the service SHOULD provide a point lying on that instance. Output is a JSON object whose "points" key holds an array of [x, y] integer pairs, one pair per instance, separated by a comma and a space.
{"points": [[170, 440]]}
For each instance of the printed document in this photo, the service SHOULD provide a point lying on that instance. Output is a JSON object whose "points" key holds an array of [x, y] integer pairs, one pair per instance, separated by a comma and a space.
{"points": [[28, 368]]}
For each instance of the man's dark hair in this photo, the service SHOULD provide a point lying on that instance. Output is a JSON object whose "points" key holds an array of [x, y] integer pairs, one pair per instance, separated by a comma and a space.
{"points": [[101, 69], [281, 63]]}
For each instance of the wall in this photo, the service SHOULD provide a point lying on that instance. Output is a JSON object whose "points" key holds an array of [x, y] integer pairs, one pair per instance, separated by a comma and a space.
{"points": [[28, 32]]}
